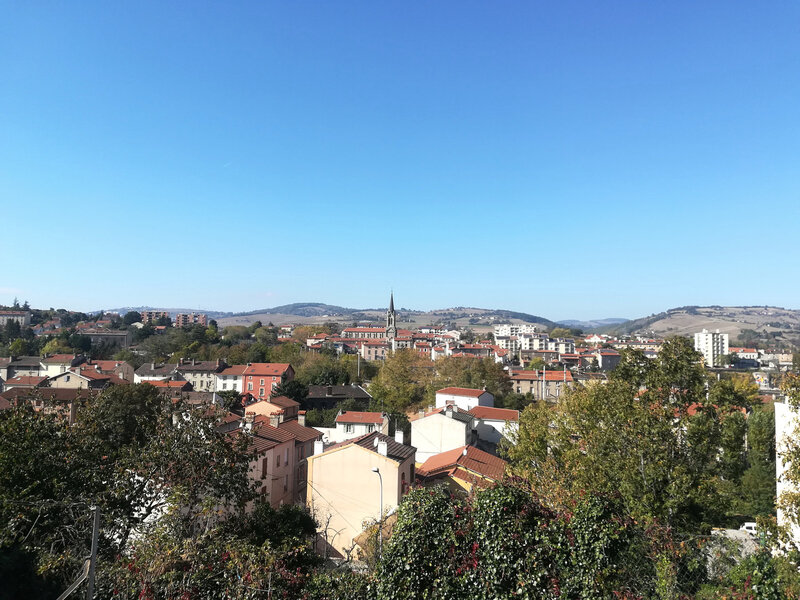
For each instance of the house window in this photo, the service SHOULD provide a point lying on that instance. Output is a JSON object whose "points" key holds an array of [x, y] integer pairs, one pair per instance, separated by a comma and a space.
{"points": [[264, 467], [66, 378], [348, 428], [261, 392], [285, 483], [370, 428], [278, 460], [286, 456], [262, 382], [224, 386], [249, 386]]}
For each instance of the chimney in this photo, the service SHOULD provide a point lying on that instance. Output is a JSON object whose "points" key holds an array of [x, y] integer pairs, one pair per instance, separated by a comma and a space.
{"points": [[449, 411], [383, 448], [301, 417], [421, 413], [276, 418], [398, 435], [329, 391], [318, 447], [247, 421]]}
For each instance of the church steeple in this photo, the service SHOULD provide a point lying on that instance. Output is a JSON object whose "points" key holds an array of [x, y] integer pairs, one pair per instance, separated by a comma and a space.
{"points": [[391, 319]]}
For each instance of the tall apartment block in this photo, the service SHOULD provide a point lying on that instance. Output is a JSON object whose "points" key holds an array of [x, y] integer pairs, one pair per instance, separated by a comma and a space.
{"points": [[712, 345]]}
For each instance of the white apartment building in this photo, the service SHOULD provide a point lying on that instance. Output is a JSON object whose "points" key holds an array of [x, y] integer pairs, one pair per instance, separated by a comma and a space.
{"points": [[712, 345], [23, 317], [509, 329]]}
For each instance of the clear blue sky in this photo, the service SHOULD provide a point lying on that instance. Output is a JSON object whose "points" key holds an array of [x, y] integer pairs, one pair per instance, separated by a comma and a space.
{"points": [[569, 159]]}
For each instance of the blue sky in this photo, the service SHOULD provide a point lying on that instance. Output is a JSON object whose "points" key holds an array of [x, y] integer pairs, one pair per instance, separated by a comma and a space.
{"points": [[569, 159]]}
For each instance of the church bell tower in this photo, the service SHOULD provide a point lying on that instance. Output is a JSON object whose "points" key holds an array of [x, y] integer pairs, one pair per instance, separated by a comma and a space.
{"points": [[391, 320]]}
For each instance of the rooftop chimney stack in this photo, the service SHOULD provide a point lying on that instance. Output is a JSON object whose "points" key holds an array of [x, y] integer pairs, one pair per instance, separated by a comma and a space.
{"points": [[383, 448], [318, 447], [398, 436], [301, 418]]}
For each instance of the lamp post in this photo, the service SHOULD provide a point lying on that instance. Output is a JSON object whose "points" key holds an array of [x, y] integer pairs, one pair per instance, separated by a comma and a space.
{"points": [[380, 514]]}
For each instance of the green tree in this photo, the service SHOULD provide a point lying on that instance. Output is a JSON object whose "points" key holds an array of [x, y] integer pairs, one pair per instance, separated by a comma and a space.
{"points": [[132, 317], [646, 435], [401, 381]]}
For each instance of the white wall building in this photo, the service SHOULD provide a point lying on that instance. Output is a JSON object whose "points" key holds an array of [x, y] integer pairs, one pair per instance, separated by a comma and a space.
{"points": [[509, 329], [353, 424], [787, 421], [442, 430], [712, 345], [464, 398]]}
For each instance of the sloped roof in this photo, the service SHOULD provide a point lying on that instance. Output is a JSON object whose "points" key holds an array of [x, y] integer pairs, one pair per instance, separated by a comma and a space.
{"points": [[467, 457], [301, 433], [283, 402], [554, 375], [266, 369], [26, 380], [59, 358], [496, 414], [353, 416], [394, 450], [459, 391], [233, 370]]}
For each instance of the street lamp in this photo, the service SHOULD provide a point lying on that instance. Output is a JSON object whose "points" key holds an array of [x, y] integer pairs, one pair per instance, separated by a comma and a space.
{"points": [[380, 514]]}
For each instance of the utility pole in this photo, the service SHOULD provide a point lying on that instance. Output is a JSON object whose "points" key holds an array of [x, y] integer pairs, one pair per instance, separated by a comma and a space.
{"points": [[93, 557]]}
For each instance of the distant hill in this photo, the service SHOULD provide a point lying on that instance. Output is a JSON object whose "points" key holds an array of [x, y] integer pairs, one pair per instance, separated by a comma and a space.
{"points": [[302, 309], [214, 314], [762, 322], [594, 324], [481, 319]]}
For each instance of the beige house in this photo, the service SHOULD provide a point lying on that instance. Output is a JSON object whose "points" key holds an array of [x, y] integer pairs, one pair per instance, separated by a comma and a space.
{"points": [[345, 483], [202, 374], [549, 385]]}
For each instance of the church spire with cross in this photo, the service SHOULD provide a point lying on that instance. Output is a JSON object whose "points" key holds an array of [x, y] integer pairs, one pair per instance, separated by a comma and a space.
{"points": [[391, 319]]}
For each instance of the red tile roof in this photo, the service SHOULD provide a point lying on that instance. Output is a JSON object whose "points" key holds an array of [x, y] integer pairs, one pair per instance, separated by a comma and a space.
{"points": [[267, 369], [459, 391], [59, 358], [283, 402], [301, 433], [353, 416], [233, 370], [466, 457], [495, 414], [26, 380], [554, 375]]}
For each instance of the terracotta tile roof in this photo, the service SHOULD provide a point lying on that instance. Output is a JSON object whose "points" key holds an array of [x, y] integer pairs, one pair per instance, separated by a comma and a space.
{"points": [[495, 414], [59, 358], [106, 365], [301, 433], [458, 391], [283, 402], [353, 416], [32, 380], [57, 394], [233, 370], [554, 375], [364, 330], [262, 429], [267, 369], [466, 457]]}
